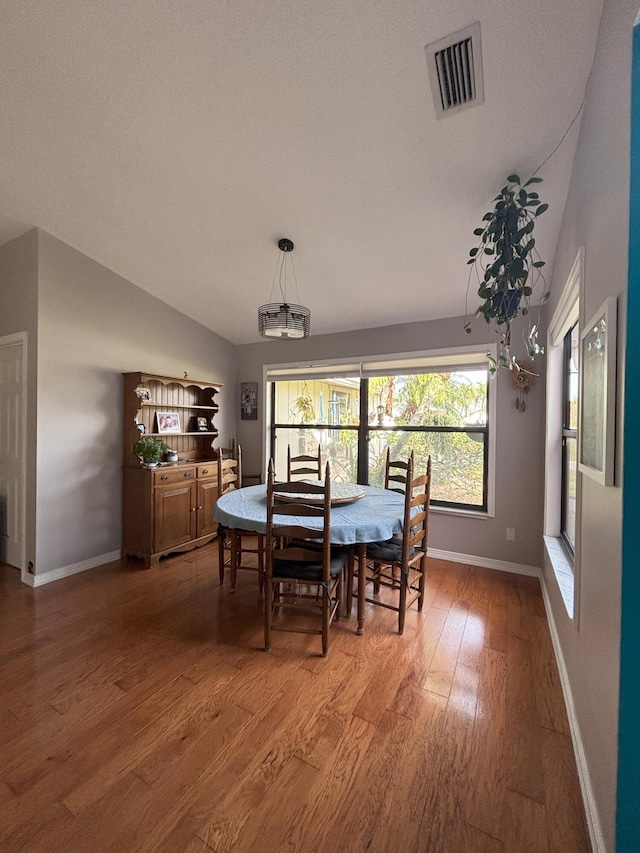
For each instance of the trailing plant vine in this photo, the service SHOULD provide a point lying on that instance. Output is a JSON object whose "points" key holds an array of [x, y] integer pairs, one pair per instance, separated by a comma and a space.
{"points": [[507, 264]]}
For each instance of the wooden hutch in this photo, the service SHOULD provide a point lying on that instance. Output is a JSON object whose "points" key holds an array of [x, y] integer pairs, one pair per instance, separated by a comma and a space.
{"points": [[169, 508]]}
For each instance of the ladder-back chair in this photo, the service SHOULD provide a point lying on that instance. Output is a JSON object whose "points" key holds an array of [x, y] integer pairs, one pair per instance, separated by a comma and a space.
{"points": [[395, 473], [304, 465], [399, 565], [305, 575], [246, 542]]}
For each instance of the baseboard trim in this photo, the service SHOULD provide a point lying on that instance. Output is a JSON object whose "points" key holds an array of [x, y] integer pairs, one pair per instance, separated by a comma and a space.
{"points": [[73, 569], [591, 811], [486, 563]]}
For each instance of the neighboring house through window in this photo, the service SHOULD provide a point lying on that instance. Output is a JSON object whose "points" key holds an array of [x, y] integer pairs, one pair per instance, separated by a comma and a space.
{"points": [[431, 404]]}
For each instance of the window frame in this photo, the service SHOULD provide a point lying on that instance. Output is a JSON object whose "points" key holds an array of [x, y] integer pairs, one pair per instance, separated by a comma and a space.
{"points": [[568, 433], [432, 361], [564, 562]]}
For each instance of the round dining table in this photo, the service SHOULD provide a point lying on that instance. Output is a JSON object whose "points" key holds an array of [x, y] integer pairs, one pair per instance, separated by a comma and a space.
{"points": [[374, 517]]}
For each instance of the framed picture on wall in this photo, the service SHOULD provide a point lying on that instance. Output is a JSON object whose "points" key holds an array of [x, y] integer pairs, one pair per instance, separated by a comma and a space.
{"points": [[598, 395], [249, 401]]}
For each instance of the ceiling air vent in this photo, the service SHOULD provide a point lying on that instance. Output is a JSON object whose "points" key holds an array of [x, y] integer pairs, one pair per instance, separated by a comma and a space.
{"points": [[455, 71]]}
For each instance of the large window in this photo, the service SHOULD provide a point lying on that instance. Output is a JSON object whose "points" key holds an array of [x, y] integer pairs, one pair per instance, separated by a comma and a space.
{"points": [[355, 418]]}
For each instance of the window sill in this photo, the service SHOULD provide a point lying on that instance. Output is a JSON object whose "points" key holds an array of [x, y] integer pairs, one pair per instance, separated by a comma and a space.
{"points": [[563, 570], [465, 513]]}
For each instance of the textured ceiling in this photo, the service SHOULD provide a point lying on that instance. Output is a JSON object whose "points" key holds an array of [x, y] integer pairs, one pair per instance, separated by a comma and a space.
{"points": [[175, 142]]}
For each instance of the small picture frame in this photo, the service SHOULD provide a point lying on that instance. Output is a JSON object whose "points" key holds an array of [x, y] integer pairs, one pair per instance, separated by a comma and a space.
{"points": [[249, 401], [201, 424], [168, 422], [597, 401], [141, 428]]}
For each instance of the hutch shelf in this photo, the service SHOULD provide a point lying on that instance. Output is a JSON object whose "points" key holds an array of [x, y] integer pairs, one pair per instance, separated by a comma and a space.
{"points": [[169, 508]]}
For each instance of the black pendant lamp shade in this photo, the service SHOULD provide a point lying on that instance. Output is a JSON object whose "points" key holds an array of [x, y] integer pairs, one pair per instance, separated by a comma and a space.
{"points": [[284, 319]]}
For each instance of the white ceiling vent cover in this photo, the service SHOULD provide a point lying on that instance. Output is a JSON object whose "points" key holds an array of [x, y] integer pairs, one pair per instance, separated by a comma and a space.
{"points": [[455, 71]]}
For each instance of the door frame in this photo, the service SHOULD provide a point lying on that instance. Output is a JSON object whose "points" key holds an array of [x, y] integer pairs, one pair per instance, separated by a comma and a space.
{"points": [[20, 338]]}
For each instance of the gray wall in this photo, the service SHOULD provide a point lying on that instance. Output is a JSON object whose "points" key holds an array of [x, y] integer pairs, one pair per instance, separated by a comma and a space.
{"points": [[19, 313], [92, 326], [596, 217], [520, 436]]}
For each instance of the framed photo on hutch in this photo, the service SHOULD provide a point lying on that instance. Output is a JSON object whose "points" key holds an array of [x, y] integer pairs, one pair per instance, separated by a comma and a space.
{"points": [[168, 421], [596, 424]]}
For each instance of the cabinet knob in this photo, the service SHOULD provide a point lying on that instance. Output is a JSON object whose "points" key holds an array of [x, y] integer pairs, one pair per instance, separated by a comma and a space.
{"points": [[205, 470], [164, 477], [187, 473]]}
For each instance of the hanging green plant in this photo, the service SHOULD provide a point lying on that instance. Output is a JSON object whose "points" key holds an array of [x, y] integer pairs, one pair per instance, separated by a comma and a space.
{"points": [[508, 266]]}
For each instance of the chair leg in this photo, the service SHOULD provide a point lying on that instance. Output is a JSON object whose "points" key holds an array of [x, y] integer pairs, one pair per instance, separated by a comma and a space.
{"points": [[349, 591], [234, 558], [261, 546], [377, 568], [421, 585], [402, 608], [339, 593], [268, 612], [326, 608], [221, 554]]}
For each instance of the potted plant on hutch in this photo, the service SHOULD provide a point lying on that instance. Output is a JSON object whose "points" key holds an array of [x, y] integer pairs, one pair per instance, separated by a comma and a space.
{"points": [[150, 450], [508, 266]]}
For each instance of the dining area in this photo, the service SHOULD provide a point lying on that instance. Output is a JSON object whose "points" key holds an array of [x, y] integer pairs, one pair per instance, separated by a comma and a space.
{"points": [[317, 543]]}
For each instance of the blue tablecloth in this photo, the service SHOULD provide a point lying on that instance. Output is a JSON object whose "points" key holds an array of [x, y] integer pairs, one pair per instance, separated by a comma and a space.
{"points": [[375, 517]]}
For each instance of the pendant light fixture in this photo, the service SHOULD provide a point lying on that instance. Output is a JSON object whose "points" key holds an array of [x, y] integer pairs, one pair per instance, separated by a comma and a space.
{"points": [[284, 319]]}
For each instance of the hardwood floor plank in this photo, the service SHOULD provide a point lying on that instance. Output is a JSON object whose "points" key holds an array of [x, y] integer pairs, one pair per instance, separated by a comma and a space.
{"points": [[357, 818], [416, 780], [440, 672], [549, 700], [525, 824], [45, 824], [271, 819], [407, 697], [486, 770], [565, 812], [442, 824], [523, 733], [496, 636], [312, 824]]}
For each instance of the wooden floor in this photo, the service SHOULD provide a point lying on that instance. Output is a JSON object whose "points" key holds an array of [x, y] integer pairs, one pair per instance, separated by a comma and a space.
{"points": [[138, 711]]}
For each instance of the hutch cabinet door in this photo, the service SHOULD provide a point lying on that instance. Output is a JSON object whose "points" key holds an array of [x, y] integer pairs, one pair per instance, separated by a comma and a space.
{"points": [[174, 515], [207, 497]]}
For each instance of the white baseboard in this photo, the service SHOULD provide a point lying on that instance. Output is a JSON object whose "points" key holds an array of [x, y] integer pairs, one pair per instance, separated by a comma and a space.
{"points": [[486, 563], [73, 569], [591, 811]]}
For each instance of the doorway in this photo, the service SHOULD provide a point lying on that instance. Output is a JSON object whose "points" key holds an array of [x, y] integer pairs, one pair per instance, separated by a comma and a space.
{"points": [[12, 449]]}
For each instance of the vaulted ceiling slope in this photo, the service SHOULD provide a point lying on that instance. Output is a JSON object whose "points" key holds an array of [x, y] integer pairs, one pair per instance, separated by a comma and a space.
{"points": [[175, 142]]}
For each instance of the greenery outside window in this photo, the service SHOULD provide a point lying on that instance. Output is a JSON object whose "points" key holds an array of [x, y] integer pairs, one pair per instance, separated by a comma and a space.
{"points": [[357, 413]]}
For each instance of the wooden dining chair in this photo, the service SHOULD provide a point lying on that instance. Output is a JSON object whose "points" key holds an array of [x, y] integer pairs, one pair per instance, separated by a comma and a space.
{"points": [[399, 565], [228, 452], [306, 575], [246, 542], [395, 473], [304, 465]]}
